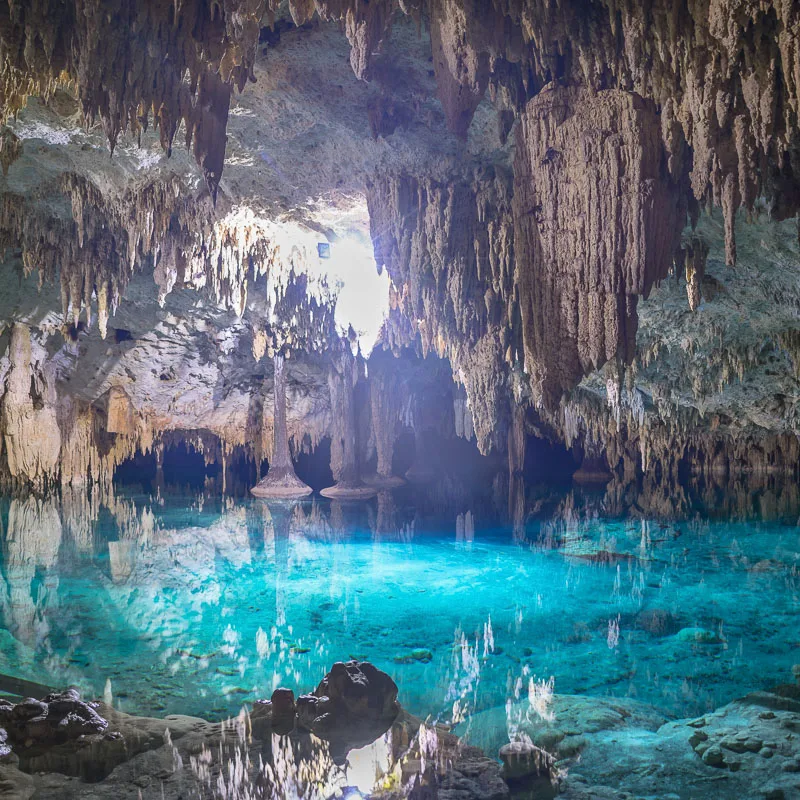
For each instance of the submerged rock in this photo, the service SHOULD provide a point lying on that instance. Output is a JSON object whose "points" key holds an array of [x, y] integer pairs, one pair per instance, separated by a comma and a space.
{"points": [[698, 636], [529, 770], [562, 728], [421, 654]]}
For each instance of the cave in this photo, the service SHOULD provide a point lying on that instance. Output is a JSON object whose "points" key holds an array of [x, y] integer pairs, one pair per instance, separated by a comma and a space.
{"points": [[399, 399]]}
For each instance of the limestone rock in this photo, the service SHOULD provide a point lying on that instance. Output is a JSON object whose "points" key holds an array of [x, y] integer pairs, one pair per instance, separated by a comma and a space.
{"points": [[354, 704], [597, 221]]}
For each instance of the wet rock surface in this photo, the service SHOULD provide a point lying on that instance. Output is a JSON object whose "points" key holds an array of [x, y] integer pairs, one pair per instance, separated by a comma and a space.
{"points": [[268, 752], [617, 749], [354, 704]]}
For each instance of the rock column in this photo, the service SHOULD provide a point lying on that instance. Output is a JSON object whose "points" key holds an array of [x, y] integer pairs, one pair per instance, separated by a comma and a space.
{"points": [[344, 453], [281, 481]]}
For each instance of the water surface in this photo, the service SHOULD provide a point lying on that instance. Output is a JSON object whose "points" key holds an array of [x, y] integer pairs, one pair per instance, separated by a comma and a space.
{"points": [[197, 606]]}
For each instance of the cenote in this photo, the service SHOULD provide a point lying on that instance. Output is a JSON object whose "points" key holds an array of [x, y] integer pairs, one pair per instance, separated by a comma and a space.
{"points": [[399, 400], [196, 607]]}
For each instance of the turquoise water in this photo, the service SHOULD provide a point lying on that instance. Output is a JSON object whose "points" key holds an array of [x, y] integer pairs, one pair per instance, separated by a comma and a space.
{"points": [[190, 605]]}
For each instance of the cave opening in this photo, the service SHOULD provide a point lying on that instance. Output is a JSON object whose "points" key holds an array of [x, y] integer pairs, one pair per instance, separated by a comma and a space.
{"points": [[314, 466]]}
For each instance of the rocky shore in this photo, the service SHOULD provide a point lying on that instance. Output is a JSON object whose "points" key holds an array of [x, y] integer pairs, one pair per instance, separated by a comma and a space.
{"points": [[351, 738]]}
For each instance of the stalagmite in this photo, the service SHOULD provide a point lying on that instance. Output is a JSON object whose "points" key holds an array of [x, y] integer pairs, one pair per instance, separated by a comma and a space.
{"points": [[344, 451], [281, 479]]}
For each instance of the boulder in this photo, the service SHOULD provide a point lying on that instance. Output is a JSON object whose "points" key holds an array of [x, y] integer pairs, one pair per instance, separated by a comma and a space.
{"points": [[283, 711], [55, 720], [354, 704]]}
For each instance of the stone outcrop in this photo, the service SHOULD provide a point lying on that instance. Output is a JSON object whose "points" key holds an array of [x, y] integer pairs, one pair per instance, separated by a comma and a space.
{"points": [[27, 413], [354, 704]]}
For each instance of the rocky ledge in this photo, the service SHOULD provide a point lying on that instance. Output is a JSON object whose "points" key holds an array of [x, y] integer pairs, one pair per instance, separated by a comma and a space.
{"points": [[350, 731], [351, 735]]}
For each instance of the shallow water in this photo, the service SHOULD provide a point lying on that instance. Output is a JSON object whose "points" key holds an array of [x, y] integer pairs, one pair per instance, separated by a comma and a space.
{"points": [[187, 605]]}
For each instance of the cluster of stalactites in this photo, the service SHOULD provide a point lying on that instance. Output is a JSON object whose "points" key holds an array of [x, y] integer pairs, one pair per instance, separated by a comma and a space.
{"points": [[94, 255], [300, 315], [725, 75], [448, 249], [635, 444], [366, 22], [597, 224], [131, 60]]}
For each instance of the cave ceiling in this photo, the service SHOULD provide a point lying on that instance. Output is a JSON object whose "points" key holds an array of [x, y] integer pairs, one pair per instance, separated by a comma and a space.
{"points": [[588, 208]]}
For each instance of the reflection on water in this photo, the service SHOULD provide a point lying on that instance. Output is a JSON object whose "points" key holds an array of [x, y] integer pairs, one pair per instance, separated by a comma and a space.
{"points": [[196, 605]]}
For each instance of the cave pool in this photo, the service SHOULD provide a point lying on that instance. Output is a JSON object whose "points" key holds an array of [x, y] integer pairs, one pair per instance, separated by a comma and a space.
{"points": [[196, 606]]}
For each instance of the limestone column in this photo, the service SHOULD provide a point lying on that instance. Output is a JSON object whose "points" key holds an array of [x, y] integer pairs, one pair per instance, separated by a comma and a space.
{"points": [[384, 393], [422, 468], [281, 480], [344, 453]]}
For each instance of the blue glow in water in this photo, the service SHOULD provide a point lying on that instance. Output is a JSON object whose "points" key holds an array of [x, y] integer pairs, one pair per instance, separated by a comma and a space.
{"points": [[188, 608]]}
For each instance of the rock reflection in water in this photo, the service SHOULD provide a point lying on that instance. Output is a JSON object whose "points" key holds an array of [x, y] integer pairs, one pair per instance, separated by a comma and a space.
{"points": [[201, 604]]}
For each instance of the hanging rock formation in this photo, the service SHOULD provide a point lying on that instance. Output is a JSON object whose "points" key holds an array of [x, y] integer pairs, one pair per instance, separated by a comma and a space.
{"points": [[131, 60], [597, 222], [449, 250]]}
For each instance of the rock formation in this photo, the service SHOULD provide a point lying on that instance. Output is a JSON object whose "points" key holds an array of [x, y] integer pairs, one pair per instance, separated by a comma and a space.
{"points": [[281, 480], [557, 193], [354, 704], [30, 428], [387, 398], [345, 455], [300, 323], [596, 226]]}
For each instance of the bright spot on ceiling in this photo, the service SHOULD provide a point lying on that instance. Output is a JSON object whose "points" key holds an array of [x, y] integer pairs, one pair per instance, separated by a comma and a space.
{"points": [[362, 294]]}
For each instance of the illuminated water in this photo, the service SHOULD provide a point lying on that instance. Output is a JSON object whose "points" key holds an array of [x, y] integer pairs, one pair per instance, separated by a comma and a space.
{"points": [[196, 608]]}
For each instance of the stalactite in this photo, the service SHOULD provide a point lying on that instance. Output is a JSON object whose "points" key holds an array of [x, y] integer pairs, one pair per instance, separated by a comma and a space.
{"points": [[695, 255], [637, 444], [516, 441], [10, 149], [462, 413], [596, 227]]}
